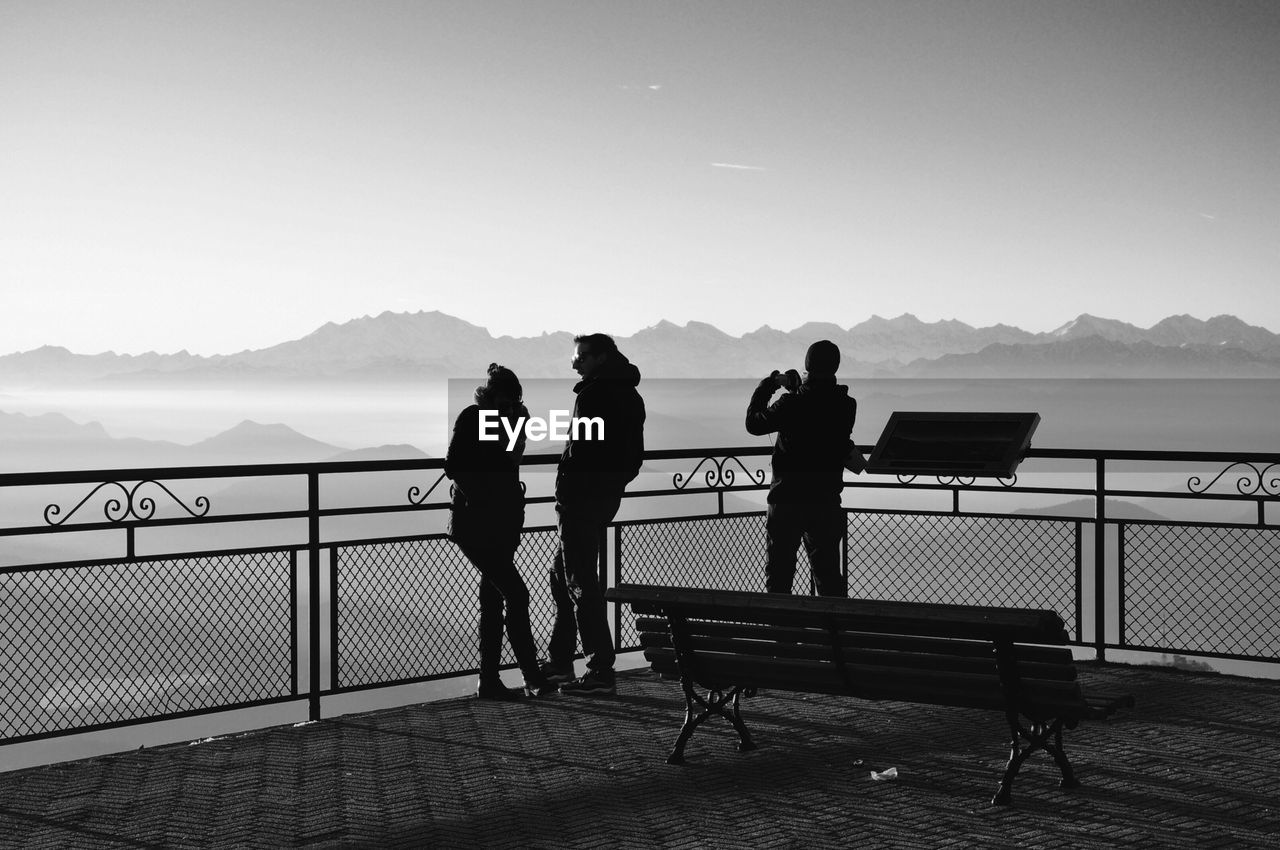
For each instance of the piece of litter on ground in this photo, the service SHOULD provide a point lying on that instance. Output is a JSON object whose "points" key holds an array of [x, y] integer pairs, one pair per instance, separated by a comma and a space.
{"points": [[305, 723], [890, 773], [857, 762], [201, 741]]}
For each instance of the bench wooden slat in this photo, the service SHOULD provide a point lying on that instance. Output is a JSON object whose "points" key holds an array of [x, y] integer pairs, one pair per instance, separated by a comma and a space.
{"points": [[1037, 698], [939, 654], [867, 640]]}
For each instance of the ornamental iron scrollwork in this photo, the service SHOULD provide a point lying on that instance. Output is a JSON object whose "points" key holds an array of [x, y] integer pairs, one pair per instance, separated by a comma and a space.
{"points": [[719, 474], [960, 480], [956, 480], [1250, 483], [415, 499], [127, 505]]}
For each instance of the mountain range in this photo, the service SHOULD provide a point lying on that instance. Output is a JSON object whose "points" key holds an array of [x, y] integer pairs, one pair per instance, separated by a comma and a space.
{"points": [[52, 441], [436, 346]]}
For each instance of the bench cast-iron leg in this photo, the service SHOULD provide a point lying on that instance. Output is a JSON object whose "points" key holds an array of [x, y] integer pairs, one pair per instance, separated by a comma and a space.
{"points": [[1060, 756], [714, 703], [1038, 738]]}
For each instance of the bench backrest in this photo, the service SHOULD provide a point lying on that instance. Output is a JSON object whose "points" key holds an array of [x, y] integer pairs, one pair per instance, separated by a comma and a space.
{"points": [[996, 658]]}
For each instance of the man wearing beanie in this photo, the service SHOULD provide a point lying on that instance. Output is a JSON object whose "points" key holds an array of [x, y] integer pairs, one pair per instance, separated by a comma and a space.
{"points": [[814, 422]]}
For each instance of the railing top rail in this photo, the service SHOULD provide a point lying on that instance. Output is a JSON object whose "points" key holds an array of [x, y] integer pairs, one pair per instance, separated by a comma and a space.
{"points": [[242, 470], [248, 470], [1153, 456]]}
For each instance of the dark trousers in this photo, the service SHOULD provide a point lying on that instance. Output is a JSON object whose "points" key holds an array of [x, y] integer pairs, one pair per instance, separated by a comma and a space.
{"points": [[501, 585], [575, 585], [820, 527]]}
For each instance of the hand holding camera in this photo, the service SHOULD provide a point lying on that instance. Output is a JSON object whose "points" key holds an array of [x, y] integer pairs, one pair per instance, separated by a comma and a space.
{"points": [[788, 380]]}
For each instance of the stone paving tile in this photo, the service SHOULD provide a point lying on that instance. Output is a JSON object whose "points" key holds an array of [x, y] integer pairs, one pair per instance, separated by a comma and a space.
{"points": [[1192, 765]]}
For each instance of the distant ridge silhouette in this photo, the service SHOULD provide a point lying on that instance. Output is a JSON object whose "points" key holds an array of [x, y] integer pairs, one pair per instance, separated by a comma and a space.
{"points": [[54, 441], [398, 347]]}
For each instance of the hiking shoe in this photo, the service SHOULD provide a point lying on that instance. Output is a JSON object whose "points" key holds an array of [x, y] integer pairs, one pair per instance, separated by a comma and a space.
{"points": [[557, 673], [540, 689], [594, 683], [499, 692]]}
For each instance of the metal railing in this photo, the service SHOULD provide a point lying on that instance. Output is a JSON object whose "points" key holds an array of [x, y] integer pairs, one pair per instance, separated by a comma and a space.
{"points": [[135, 595]]}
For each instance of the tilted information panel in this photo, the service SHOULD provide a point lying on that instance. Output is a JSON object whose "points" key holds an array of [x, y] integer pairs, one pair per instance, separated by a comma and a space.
{"points": [[971, 444]]}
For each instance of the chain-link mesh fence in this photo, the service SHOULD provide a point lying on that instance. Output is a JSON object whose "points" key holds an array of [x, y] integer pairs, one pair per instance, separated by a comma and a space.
{"points": [[953, 559], [115, 642], [409, 609], [965, 560], [726, 553], [1202, 589]]}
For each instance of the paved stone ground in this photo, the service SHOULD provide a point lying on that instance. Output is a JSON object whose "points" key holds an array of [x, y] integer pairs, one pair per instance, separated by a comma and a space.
{"points": [[1195, 764]]}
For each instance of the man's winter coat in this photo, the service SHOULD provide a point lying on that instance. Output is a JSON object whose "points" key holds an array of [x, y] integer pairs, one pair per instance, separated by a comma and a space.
{"points": [[592, 468], [813, 426]]}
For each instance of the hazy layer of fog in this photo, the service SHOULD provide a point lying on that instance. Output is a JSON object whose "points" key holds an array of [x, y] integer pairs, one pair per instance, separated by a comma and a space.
{"points": [[349, 416], [1238, 415]]}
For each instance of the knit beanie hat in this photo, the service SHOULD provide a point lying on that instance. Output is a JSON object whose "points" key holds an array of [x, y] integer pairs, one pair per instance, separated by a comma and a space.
{"points": [[822, 358]]}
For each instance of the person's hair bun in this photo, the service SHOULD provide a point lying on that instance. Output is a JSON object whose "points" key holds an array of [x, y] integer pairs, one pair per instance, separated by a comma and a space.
{"points": [[503, 380]]}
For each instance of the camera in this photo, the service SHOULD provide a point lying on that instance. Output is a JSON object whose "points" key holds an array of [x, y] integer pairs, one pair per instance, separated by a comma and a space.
{"points": [[788, 380]]}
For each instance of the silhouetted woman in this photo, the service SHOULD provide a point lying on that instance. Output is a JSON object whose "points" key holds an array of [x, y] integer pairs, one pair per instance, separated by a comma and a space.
{"points": [[486, 517]]}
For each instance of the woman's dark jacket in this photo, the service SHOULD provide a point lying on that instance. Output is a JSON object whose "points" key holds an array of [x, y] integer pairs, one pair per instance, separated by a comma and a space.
{"points": [[488, 501]]}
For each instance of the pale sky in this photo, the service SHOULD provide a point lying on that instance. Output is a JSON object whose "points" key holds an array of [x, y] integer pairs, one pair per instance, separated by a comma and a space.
{"points": [[225, 175]]}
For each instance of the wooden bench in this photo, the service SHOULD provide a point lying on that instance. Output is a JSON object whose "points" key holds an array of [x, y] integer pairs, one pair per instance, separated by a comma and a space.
{"points": [[731, 643]]}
